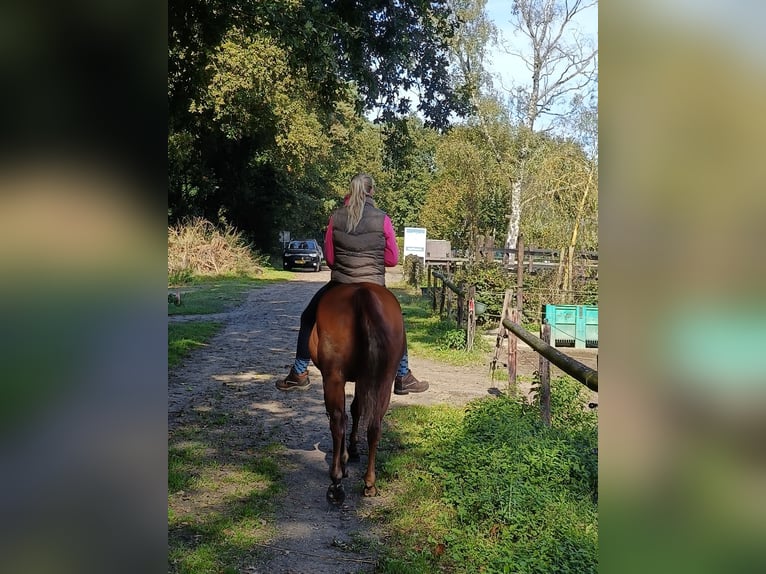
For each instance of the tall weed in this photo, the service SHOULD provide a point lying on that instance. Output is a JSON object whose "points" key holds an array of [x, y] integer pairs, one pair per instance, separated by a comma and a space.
{"points": [[196, 248]]}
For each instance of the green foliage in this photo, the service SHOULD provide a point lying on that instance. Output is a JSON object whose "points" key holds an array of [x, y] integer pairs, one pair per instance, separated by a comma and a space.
{"points": [[453, 339], [266, 102], [414, 270], [467, 197], [180, 276], [491, 281], [408, 162], [428, 334], [505, 493], [562, 190]]}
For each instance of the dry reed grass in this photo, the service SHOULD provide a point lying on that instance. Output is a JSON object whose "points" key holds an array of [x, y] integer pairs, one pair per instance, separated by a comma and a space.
{"points": [[197, 248]]}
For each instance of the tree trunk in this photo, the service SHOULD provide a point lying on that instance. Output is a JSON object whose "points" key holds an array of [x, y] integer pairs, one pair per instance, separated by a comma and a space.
{"points": [[560, 272], [514, 221]]}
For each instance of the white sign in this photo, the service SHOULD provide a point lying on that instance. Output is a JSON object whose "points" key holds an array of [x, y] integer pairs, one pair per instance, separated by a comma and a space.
{"points": [[415, 242]]}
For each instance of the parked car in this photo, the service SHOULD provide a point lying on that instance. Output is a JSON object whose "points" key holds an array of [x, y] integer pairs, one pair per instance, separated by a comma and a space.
{"points": [[303, 253]]}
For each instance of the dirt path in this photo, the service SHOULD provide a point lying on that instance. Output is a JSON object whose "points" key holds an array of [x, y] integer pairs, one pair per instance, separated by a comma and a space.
{"points": [[235, 375]]}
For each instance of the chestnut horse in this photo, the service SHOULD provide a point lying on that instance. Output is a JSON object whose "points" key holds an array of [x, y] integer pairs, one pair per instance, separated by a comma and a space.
{"points": [[358, 336]]}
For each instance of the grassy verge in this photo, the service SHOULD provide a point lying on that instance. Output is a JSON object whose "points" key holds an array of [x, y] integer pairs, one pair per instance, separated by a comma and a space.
{"points": [[436, 338], [220, 496], [216, 294], [489, 488]]}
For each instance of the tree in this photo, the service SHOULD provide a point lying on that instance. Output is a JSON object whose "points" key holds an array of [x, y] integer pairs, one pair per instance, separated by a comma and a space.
{"points": [[259, 95], [464, 202], [561, 203], [409, 149], [561, 62]]}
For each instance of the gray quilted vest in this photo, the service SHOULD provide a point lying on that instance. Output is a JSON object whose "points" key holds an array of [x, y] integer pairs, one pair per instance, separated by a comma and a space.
{"points": [[359, 255]]}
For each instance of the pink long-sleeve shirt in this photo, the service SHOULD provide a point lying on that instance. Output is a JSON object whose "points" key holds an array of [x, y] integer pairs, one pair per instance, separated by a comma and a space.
{"points": [[390, 256]]}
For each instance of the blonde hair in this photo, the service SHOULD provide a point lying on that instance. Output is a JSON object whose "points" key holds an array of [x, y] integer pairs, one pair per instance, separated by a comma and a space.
{"points": [[362, 186]]}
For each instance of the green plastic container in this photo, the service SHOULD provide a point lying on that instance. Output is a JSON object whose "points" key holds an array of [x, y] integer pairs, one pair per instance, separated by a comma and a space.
{"points": [[573, 325]]}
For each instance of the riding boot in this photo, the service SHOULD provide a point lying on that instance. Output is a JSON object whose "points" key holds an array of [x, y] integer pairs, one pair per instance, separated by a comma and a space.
{"points": [[294, 381], [404, 385]]}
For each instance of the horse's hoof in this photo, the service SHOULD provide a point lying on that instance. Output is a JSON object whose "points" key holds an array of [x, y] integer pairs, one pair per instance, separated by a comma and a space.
{"points": [[371, 490], [335, 494]]}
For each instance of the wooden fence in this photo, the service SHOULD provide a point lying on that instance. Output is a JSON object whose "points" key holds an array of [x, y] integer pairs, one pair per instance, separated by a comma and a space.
{"points": [[532, 259], [465, 296]]}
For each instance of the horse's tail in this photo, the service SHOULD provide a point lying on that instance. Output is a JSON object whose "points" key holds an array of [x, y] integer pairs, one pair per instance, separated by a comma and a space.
{"points": [[374, 346]]}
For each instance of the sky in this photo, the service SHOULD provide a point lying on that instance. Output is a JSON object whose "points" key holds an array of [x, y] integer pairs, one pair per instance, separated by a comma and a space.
{"points": [[510, 70]]}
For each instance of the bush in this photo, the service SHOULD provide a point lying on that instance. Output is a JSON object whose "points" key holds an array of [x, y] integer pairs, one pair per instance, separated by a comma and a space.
{"points": [[196, 247], [414, 270], [454, 339], [506, 493], [491, 282]]}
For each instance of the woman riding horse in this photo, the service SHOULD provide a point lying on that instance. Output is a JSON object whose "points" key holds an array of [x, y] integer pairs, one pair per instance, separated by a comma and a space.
{"points": [[359, 245]]}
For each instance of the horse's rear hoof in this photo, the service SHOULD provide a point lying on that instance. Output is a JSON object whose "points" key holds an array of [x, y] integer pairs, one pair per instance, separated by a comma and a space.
{"points": [[371, 490], [335, 494]]}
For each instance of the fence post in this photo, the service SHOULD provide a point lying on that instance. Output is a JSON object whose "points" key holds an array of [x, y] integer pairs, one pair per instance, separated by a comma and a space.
{"points": [[442, 298], [501, 330], [471, 327], [519, 271], [433, 294], [512, 355], [545, 377]]}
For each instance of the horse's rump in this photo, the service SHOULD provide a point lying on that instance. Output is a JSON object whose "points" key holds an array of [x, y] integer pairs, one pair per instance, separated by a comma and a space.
{"points": [[359, 330]]}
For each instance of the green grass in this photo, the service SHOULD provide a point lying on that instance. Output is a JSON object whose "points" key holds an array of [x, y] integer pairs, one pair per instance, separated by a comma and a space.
{"points": [[184, 337], [489, 488], [221, 498], [221, 495], [220, 508], [206, 295], [436, 338]]}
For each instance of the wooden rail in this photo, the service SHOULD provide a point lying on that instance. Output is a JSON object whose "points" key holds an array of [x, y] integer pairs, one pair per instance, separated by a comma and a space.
{"points": [[570, 366], [456, 288]]}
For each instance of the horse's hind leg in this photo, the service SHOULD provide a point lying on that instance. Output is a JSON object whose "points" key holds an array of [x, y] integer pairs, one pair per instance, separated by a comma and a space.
{"points": [[373, 437], [335, 402], [353, 439]]}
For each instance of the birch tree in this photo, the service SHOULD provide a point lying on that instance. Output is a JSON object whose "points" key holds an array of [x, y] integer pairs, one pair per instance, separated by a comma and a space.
{"points": [[562, 64], [562, 67]]}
